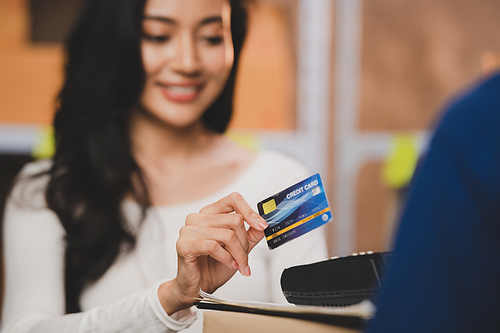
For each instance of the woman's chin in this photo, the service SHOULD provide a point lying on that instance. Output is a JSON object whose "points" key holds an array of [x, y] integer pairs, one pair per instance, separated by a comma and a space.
{"points": [[182, 118]]}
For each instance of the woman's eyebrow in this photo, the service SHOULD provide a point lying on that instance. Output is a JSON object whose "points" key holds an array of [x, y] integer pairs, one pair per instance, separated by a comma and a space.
{"points": [[161, 19], [169, 20], [210, 19]]}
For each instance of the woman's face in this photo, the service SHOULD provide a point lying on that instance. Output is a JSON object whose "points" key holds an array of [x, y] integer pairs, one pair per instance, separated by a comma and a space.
{"points": [[187, 53]]}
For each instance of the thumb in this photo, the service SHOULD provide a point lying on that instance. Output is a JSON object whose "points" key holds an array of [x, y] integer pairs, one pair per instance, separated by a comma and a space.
{"points": [[254, 237]]}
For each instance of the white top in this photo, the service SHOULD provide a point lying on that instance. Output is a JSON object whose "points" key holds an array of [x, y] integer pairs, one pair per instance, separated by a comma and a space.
{"points": [[125, 298]]}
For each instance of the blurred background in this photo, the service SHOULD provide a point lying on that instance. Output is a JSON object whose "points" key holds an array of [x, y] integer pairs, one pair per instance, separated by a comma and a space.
{"points": [[351, 88]]}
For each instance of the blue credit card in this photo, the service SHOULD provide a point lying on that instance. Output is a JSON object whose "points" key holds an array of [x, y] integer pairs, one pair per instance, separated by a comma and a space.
{"points": [[295, 211]]}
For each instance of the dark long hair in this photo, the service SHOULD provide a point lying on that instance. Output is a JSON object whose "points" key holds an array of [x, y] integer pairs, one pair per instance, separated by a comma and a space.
{"points": [[93, 167]]}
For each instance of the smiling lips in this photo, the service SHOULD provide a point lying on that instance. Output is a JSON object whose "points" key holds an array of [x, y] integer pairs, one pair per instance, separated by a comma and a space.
{"points": [[180, 92]]}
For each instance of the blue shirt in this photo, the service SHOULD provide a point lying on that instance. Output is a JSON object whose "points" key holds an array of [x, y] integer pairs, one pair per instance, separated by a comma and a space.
{"points": [[445, 270]]}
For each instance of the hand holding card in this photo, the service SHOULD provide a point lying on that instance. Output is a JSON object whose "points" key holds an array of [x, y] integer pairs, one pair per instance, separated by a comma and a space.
{"points": [[295, 211], [212, 246]]}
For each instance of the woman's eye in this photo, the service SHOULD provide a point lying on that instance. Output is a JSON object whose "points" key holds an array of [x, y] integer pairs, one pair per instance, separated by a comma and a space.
{"points": [[156, 38], [213, 40]]}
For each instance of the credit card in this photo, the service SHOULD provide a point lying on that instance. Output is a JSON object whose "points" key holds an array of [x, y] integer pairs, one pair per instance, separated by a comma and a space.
{"points": [[295, 211]]}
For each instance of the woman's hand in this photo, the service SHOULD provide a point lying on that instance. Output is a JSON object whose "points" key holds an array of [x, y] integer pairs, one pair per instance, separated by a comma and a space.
{"points": [[212, 246]]}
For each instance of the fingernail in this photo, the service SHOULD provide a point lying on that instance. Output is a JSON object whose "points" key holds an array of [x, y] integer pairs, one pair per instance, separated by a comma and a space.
{"points": [[263, 224], [259, 220], [234, 265], [247, 271]]}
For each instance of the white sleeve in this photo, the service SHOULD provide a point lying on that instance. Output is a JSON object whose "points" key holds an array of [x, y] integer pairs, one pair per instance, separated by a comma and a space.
{"points": [[34, 300]]}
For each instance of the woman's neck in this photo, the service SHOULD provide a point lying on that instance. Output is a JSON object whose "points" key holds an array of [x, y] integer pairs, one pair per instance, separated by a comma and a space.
{"points": [[193, 161], [155, 143]]}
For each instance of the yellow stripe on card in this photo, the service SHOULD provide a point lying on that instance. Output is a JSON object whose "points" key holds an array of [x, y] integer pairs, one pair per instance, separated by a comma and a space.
{"points": [[296, 224]]}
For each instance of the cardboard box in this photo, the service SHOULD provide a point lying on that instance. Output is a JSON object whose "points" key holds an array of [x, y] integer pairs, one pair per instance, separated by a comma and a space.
{"points": [[225, 322]]}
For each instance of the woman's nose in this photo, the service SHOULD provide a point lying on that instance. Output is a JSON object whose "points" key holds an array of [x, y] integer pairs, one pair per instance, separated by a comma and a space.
{"points": [[186, 60]]}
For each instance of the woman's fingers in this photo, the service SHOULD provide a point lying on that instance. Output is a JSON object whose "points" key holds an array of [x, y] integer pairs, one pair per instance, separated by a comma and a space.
{"points": [[221, 244], [236, 203], [254, 236], [247, 238], [227, 221], [210, 248], [193, 248], [216, 223]]}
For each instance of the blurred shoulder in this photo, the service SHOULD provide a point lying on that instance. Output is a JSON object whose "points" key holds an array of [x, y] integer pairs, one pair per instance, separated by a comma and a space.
{"points": [[472, 119], [27, 217], [276, 167], [476, 108], [276, 161], [35, 168], [31, 183]]}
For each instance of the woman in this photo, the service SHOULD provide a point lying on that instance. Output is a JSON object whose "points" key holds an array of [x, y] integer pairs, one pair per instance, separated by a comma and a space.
{"points": [[147, 95]]}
